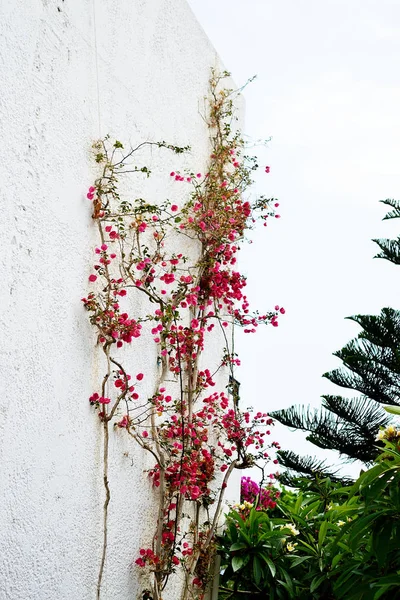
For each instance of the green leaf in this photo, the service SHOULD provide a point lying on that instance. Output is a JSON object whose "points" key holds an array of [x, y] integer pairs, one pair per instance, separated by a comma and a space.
{"points": [[365, 479], [257, 570], [345, 582], [336, 559], [270, 564], [394, 410], [238, 546], [343, 546], [289, 583], [388, 580], [381, 539], [241, 533], [308, 546], [360, 528], [379, 485], [316, 582], [322, 533], [237, 563], [381, 591], [297, 560]]}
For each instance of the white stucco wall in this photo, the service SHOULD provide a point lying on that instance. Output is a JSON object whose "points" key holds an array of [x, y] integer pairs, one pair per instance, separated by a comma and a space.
{"points": [[70, 72]]}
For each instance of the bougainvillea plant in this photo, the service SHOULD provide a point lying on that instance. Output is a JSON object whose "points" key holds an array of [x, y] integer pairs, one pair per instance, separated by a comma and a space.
{"points": [[258, 496], [195, 434]]}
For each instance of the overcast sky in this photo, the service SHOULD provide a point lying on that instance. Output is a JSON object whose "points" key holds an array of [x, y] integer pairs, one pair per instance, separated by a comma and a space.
{"points": [[328, 93]]}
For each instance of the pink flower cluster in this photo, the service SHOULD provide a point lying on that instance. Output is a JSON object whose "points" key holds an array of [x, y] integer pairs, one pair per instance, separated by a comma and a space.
{"points": [[250, 490], [189, 435], [147, 557], [96, 399]]}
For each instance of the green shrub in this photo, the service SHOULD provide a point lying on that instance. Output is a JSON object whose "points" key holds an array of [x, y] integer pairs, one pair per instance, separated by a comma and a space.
{"points": [[323, 542]]}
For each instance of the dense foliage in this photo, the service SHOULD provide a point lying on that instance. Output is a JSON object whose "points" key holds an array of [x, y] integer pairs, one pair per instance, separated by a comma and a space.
{"points": [[322, 542]]}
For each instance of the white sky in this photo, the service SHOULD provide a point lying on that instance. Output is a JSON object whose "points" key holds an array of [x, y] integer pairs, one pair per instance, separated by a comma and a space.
{"points": [[328, 92]]}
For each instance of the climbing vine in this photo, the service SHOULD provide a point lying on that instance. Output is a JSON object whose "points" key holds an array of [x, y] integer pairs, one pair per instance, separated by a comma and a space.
{"points": [[195, 435]]}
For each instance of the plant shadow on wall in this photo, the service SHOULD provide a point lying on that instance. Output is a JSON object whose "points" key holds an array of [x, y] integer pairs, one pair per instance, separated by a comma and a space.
{"points": [[195, 435]]}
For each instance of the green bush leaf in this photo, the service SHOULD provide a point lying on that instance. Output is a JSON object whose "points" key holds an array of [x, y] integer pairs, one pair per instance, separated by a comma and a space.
{"points": [[322, 533], [316, 582], [257, 570], [297, 560], [270, 564], [237, 563], [380, 541], [394, 410], [238, 546]]}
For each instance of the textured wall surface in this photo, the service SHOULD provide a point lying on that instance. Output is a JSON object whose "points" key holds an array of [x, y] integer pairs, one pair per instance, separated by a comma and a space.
{"points": [[70, 72]]}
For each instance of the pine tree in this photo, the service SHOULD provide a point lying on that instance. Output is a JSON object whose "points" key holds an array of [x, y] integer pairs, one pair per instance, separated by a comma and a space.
{"points": [[371, 366]]}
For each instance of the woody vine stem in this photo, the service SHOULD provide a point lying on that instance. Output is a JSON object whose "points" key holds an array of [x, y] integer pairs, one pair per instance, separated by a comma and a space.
{"points": [[196, 436]]}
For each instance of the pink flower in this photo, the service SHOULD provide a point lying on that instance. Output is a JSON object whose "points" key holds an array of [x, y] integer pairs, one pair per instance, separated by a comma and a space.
{"points": [[140, 562], [103, 400], [139, 376], [174, 208], [92, 278], [168, 278], [195, 492], [124, 421], [267, 169], [145, 434]]}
